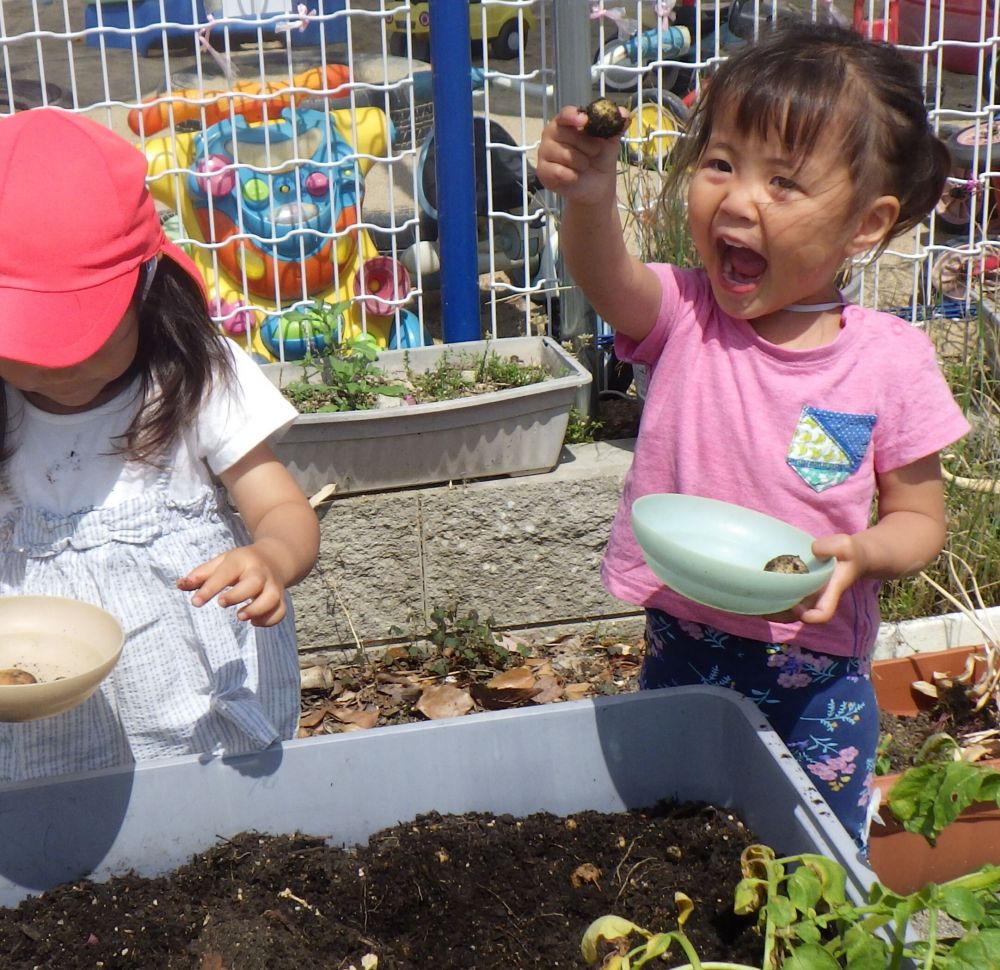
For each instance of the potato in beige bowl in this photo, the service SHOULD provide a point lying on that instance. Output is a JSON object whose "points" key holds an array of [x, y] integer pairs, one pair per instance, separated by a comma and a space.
{"points": [[54, 653]]}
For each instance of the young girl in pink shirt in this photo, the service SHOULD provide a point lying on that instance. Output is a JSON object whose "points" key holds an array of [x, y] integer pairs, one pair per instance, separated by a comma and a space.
{"points": [[807, 148]]}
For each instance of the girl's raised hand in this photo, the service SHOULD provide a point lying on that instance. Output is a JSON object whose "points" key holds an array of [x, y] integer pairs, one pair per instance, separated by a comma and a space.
{"points": [[578, 166]]}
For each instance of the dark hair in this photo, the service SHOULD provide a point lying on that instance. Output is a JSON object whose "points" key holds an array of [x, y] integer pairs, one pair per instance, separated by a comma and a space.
{"points": [[801, 79], [179, 357]]}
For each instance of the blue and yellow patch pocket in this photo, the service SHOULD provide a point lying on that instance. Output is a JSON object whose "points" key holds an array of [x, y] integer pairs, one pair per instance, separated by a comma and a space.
{"points": [[828, 446]]}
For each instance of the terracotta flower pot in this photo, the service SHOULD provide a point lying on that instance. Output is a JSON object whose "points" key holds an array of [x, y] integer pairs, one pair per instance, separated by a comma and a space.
{"points": [[893, 679], [902, 860]]}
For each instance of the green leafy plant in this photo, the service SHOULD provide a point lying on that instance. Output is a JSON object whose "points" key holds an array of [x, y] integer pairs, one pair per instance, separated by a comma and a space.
{"points": [[318, 323], [343, 377], [808, 922], [940, 786], [616, 930], [581, 428], [467, 641], [455, 375]]}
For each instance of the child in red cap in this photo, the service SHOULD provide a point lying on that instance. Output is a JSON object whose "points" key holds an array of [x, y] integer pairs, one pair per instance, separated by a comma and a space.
{"points": [[123, 410]]}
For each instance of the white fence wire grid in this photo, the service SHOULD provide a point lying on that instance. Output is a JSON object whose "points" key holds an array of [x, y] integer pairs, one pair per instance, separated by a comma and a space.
{"points": [[321, 113]]}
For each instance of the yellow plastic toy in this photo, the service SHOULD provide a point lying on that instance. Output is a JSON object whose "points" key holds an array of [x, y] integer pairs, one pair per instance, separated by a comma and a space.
{"points": [[273, 208]]}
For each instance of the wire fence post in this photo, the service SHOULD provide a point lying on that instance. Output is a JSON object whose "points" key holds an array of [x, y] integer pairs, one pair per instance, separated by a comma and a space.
{"points": [[573, 85], [455, 169]]}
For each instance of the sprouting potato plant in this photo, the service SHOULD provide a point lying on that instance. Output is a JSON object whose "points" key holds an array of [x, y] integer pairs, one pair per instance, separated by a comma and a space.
{"points": [[808, 922]]}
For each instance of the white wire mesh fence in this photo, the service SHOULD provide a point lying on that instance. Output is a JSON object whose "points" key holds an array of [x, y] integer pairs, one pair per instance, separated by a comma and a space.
{"points": [[291, 145]]}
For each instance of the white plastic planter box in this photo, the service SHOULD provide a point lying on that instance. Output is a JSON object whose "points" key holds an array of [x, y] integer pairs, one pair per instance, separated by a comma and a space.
{"points": [[607, 755], [513, 432]]}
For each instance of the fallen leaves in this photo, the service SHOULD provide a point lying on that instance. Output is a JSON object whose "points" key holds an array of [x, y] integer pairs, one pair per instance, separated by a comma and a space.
{"points": [[444, 701], [406, 685], [510, 688]]}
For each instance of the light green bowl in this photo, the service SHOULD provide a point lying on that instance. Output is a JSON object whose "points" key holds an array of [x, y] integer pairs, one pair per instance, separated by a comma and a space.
{"points": [[714, 553]]}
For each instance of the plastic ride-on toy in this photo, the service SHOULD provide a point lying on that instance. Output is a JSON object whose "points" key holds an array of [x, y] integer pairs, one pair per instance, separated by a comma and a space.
{"points": [[276, 208], [503, 29]]}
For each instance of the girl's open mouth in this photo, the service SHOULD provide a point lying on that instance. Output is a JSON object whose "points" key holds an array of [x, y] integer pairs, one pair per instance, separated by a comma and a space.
{"points": [[740, 265]]}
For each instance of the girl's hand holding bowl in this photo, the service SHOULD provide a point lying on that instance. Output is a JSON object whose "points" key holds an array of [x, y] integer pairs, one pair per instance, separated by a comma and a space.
{"points": [[715, 553]]}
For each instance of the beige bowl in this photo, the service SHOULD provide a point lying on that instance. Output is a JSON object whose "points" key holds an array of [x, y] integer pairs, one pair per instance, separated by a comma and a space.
{"points": [[68, 646]]}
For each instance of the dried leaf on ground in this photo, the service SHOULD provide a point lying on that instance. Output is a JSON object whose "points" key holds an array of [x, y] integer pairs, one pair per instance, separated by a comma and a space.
{"points": [[444, 701], [499, 698], [550, 690], [366, 718], [517, 678]]}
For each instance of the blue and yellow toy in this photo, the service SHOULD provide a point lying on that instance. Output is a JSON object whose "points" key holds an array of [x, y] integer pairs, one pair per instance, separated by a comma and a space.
{"points": [[274, 208]]}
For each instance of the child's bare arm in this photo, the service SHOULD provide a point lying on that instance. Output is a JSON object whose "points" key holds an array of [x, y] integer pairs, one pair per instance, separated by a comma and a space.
{"points": [[285, 534], [583, 170], [909, 534]]}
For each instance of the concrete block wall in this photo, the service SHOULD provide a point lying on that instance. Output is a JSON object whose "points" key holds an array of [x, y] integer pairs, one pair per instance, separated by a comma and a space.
{"points": [[525, 550]]}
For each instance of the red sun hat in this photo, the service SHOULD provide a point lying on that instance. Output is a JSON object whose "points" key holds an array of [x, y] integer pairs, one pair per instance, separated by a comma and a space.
{"points": [[77, 223]]}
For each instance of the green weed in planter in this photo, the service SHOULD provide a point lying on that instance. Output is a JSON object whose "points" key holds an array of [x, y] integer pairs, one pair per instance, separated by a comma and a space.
{"points": [[455, 376], [317, 324], [808, 923], [342, 378]]}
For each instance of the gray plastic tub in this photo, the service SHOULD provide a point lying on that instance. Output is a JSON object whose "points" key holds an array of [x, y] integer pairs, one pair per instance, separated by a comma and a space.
{"points": [[513, 432], [611, 754]]}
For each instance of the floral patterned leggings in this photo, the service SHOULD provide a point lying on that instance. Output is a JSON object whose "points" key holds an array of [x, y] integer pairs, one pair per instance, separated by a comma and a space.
{"points": [[823, 707]]}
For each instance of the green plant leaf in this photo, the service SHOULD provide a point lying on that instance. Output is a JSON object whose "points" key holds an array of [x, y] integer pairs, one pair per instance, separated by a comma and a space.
{"points": [[865, 951], [938, 747], [975, 951], [807, 932], [811, 956], [657, 946], [780, 911], [859, 938], [750, 895], [831, 875], [804, 888], [962, 904], [929, 797]]}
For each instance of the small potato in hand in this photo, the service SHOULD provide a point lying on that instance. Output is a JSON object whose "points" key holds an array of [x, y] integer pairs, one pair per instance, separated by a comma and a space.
{"points": [[604, 120], [10, 676]]}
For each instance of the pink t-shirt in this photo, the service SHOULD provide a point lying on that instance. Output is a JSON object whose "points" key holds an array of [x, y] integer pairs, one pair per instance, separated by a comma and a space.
{"points": [[728, 416]]}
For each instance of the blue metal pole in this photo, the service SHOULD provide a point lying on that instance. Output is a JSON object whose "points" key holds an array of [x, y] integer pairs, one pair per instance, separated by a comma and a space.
{"points": [[455, 168]]}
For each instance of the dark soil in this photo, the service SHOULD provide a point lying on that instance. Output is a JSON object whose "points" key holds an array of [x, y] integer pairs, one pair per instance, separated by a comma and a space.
{"points": [[476, 891], [953, 715], [618, 417]]}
